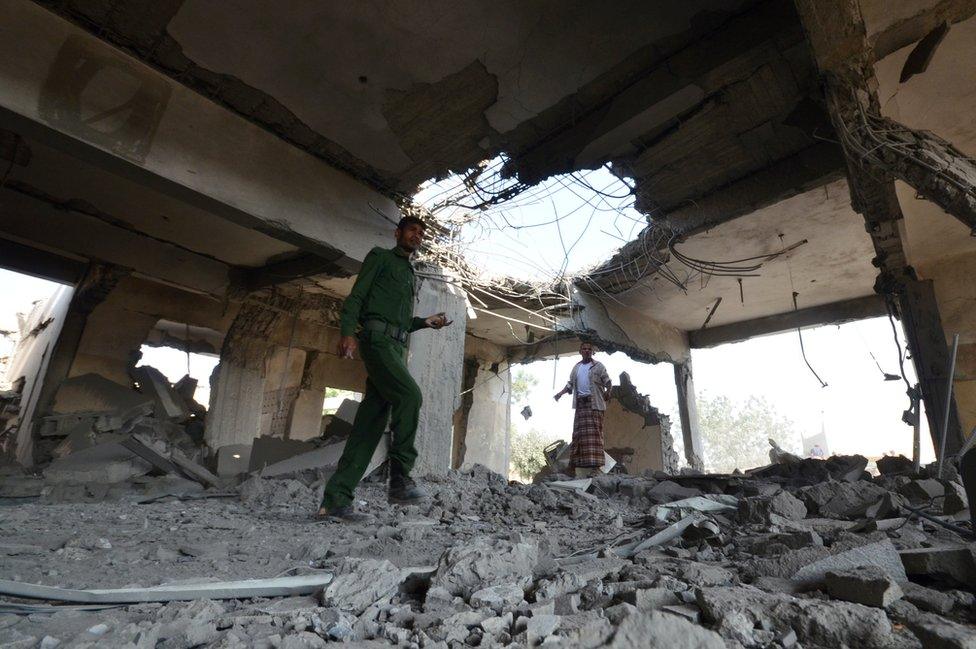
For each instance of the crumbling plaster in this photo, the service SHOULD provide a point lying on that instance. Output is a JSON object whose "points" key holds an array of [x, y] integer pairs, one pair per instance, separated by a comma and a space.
{"points": [[487, 441]]}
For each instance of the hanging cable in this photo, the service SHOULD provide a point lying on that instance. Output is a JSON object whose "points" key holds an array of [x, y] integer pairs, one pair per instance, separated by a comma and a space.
{"points": [[799, 331]]}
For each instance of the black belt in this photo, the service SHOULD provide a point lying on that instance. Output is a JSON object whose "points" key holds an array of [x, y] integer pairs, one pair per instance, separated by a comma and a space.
{"points": [[396, 333]]}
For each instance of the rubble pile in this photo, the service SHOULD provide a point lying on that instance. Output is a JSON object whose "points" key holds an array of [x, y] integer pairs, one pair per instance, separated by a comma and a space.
{"points": [[808, 554]]}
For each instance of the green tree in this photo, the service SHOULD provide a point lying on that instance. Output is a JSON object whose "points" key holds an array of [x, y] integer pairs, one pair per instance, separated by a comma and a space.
{"points": [[526, 456], [522, 385], [736, 435]]}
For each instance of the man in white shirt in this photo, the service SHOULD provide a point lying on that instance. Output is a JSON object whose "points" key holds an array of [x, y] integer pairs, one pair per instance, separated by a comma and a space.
{"points": [[590, 386]]}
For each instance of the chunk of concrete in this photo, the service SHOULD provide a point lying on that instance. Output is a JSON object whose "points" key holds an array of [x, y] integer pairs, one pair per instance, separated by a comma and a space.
{"points": [[649, 599], [233, 459], [498, 597], [95, 393], [759, 509], [881, 554], [738, 611], [868, 585], [667, 491], [953, 565], [938, 633], [106, 463], [540, 627], [360, 583], [663, 630], [168, 404], [922, 491], [928, 599], [895, 465], [843, 500], [483, 562], [266, 451]]}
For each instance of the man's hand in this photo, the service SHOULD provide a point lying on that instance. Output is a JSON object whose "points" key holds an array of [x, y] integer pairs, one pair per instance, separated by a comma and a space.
{"points": [[347, 346], [559, 394], [437, 321]]}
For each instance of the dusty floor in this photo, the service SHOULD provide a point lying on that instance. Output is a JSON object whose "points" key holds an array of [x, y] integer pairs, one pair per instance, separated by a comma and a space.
{"points": [[493, 565]]}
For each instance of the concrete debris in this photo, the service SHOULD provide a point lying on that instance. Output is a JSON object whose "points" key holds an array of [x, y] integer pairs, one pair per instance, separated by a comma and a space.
{"points": [[868, 585], [484, 562], [361, 583], [668, 560]]}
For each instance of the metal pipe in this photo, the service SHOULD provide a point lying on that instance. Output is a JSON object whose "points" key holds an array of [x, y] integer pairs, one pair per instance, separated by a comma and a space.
{"points": [[948, 403]]}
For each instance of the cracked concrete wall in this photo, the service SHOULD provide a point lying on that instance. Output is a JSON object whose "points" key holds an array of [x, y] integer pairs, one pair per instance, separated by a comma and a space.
{"points": [[487, 440], [435, 359], [635, 433], [117, 327]]}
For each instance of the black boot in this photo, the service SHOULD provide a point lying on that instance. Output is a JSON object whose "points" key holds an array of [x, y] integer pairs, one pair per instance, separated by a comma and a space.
{"points": [[403, 490], [344, 514]]}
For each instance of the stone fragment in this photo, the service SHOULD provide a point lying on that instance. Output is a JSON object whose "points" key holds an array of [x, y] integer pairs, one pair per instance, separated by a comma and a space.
{"points": [[647, 599], [881, 554], [498, 624], [483, 562], [359, 583], [333, 624], [738, 610], [843, 500], [956, 499], [300, 640], [49, 642], [657, 629], [938, 633], [894, 465], [954, 565], [928, 599], [667, 491], [574, 577], [759, 508], [497, 597], [868, 585], [922, 491], [540, 627], [687, 611], [567, 604]]}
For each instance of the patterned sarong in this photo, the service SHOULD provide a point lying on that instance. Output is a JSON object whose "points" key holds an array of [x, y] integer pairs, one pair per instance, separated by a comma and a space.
{"points": [[587, 451]]}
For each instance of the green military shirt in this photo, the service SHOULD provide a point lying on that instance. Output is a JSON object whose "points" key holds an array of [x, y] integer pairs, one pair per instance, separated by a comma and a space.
{"points": [[384, 290]]}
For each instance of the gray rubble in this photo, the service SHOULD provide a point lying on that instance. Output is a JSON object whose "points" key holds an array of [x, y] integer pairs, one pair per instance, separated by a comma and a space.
{"points": [[631, 561]]}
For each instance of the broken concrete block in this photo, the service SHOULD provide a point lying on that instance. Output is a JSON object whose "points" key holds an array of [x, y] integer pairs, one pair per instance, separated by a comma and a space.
{"points": [[233, 459], [497, 597], [842, 500], [574, 577], [686, 611], [266, 451], [95, 393], [483, 562], [953, 565], [868, 585], [667, 491], [499, 624], [895, 465], [938, 633], [360, 583], [167, 402], [662, 630], [737, 611], [648, 599], [881, 554], [922, 491], [759, 509], [956, 499], [106, 463], [928, 599], [540, 627]]}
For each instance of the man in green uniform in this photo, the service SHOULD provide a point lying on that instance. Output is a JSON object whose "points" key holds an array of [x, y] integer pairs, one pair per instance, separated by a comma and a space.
{"points": [[381, 306]]}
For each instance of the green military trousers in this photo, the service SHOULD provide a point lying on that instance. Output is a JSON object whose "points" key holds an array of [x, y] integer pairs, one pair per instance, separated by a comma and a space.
{"points": [[391, 394]]}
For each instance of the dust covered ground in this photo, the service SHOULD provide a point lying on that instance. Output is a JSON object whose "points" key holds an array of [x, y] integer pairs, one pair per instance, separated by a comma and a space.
{"points": [[827, 559]]}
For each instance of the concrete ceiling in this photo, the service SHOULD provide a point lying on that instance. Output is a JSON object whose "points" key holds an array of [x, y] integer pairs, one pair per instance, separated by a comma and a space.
{"points": [[126, 205], [834, 264]]}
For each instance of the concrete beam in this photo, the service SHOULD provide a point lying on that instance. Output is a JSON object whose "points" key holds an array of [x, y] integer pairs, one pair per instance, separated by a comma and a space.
{"points": [[177, 141], [40, 263], [912, 29], [870, 306]]}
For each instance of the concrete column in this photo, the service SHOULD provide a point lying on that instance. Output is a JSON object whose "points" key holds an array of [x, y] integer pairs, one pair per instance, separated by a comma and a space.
{"points": [[688, 411], [487, 439], [238, 384], [930, 355], [436, 360], [282, 383]]}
